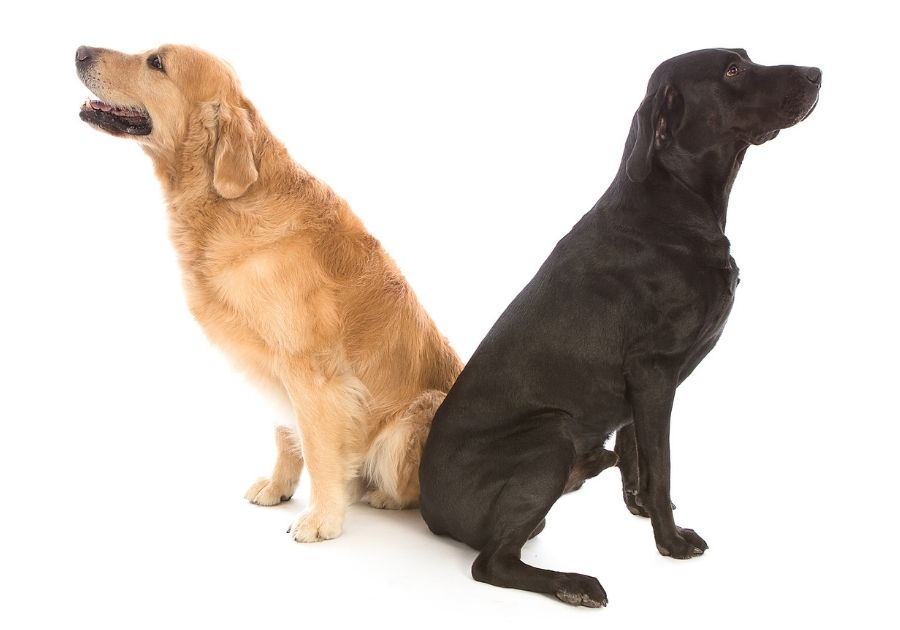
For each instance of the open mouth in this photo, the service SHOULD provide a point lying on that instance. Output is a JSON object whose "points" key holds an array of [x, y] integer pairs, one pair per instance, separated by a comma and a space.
{"points": [[115, 119]]}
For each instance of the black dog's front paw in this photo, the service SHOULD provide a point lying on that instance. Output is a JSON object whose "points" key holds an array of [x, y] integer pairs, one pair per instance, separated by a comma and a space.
{"points": [[685, 543]]}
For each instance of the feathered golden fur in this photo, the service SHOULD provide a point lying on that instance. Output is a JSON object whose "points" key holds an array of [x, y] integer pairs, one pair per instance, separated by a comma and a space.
{"points": [[281, 274]]}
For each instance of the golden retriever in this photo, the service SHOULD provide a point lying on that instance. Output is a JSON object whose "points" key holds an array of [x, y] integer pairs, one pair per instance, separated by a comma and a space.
{"points": [[281, 274]]}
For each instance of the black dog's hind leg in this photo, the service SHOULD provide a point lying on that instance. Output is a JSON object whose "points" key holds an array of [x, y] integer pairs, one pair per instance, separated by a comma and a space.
{"points": [[500, 565], [518, 511], [652, 395]]}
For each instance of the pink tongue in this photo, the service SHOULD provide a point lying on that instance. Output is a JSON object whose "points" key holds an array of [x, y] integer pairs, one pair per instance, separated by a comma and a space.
{"points": [[101, 106]]}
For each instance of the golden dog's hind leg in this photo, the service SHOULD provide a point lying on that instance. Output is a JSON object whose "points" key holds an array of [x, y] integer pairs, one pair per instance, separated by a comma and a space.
{"points": [[330, 411], [285, 474], [392, 462]]}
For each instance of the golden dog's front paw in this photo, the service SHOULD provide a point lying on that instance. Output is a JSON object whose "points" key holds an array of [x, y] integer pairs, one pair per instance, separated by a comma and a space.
{"points": [[266, 492], [316, 525]]}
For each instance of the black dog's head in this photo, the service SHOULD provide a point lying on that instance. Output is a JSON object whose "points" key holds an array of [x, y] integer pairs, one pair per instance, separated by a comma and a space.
{"points": [[709, 99]]}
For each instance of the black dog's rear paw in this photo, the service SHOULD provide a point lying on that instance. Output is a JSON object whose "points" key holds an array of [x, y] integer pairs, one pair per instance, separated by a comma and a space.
{"points": [[633, 503], [582, 590], [686, 543]]}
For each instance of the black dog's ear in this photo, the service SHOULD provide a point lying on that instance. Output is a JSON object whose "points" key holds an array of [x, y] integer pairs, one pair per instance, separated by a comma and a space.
{"points": [[653, 125]]}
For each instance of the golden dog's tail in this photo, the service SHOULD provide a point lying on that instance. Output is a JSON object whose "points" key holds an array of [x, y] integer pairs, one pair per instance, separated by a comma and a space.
{"points": [[391, 466]]}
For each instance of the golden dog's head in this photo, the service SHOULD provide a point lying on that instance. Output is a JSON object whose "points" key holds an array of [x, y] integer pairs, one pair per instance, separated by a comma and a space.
{"points": [[157, 96]]}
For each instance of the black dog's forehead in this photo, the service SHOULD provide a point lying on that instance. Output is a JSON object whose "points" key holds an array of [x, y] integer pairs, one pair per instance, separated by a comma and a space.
{"points": [[699, 63]]}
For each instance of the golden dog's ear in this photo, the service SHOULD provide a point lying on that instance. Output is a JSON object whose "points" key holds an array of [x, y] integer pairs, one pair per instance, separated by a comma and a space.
{"points": [[234, 164]]}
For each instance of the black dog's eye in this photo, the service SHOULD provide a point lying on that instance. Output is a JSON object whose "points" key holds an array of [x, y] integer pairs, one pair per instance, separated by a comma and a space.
{"points": [[155, 62], [732, 71]]}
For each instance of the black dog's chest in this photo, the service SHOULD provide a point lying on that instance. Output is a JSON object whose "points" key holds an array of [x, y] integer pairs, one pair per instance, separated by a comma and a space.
{"points": [[686, 305], [721, 301], [720, 289], [718, 298]]}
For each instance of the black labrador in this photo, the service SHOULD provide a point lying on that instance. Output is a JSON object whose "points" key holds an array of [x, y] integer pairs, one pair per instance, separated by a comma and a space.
{"points": [[622, 311]]}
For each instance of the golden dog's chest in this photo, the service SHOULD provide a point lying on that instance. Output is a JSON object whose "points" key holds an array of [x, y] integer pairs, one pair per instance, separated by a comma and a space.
{"points": [[247, 283], [276, 291]]}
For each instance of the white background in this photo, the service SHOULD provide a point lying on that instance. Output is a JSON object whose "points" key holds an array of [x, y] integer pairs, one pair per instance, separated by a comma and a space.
{"points": [[469, 137]]}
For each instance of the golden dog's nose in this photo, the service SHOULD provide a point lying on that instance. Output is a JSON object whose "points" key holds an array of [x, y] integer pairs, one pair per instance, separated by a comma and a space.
{"points": [[84, 55]]}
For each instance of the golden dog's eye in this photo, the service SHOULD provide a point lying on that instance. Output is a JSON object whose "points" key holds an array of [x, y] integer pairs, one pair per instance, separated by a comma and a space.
{"points": [[155, 62], [732, 71]]}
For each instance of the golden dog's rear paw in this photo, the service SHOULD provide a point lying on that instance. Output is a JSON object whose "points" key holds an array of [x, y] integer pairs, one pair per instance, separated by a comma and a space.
{"points": [[316, 525], [382, 500], [266, 492]]}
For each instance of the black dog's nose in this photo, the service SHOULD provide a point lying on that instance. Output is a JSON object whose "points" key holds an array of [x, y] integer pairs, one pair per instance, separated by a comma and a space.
{"points": [[84, 55], [814, 75]]}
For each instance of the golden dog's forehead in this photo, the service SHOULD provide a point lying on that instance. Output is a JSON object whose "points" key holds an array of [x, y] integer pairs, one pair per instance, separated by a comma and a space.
{"points": [[196, 71]]}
